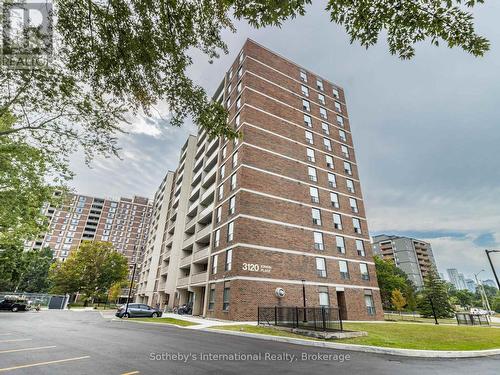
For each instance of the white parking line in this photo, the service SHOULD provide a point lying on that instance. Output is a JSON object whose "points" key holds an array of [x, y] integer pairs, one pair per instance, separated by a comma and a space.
{"points": [[27, 349], [43, 363], [14, 340]]}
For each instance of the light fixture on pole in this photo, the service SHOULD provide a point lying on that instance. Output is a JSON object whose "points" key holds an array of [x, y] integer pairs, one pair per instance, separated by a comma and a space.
{"points": [[491, 265]]}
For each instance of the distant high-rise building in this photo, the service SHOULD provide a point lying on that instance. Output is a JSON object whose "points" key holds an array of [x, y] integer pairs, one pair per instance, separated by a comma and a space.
{"points": [[471, 285], [456, 278], [279, 209], [413, 256], [123, 222]]}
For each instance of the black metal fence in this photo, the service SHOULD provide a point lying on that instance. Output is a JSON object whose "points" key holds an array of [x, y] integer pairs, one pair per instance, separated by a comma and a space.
{"points": [[472, 319], [310, 318]]}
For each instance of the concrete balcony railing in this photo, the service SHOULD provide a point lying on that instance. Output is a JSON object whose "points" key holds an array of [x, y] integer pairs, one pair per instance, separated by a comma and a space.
{"points": [[185, 261], [206, 211], [204, 232], [183, 281], [201, 254], [207, 195], [199, 277], [188, 242], [163, 270]]}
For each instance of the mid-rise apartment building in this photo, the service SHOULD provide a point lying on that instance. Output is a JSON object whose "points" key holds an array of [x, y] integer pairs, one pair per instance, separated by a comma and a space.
{"points": [[123, 222], [280, 207], [413, 256], [456, 278]]}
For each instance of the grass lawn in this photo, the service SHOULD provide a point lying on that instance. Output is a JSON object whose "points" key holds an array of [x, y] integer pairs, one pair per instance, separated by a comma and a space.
{"points": [[178, 322], [407, 336]]}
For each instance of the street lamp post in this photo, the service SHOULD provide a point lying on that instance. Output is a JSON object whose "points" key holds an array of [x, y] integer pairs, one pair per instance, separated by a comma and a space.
{"points": [[131, 280], [491, 264], [484, 298]]}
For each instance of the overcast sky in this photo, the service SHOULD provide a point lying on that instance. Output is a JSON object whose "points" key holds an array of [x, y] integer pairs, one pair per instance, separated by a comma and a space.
{"points": [[426, 133]]}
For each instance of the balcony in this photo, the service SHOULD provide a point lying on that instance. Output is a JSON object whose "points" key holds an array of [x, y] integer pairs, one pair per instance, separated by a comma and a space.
{"points": [[208, 196], [211, 162], [206, 215], [185, 261], [199, 277], [204, 233], [163, 270], [194, 193], [192, 208], [188, 242], [201, 254], [183, 281], [196, 178], [209, 178], [212, 146]]}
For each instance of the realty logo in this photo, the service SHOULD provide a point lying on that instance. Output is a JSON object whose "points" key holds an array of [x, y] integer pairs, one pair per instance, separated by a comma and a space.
{"points": [[26, 34]]}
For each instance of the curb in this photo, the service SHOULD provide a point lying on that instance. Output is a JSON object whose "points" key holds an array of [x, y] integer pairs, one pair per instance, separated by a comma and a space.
{"points": [[131, 320], [367, 348]]}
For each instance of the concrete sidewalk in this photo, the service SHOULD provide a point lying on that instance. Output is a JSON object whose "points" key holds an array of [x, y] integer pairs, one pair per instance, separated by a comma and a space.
{"points": [[203, 323]]}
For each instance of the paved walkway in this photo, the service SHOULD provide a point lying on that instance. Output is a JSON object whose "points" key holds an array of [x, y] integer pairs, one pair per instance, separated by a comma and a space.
{"points": [[204, 322]]}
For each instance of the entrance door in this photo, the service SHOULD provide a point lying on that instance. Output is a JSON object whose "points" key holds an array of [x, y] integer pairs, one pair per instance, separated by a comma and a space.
{"points": [[342, 305]]}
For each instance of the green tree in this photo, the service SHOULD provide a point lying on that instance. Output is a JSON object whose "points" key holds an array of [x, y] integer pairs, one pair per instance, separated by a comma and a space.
{"points": [[35, 273], [435, 292], [390, 278], [11, 266], [90, 270], [398, 300], [116, 289], [464, 298]]}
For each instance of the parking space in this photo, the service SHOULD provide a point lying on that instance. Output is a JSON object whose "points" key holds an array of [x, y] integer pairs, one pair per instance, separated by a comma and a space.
{"points": [[18, 352]]}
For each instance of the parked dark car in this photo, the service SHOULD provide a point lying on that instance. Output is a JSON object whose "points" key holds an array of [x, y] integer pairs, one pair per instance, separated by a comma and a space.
{"points": [[14, 303], [138, 310]]}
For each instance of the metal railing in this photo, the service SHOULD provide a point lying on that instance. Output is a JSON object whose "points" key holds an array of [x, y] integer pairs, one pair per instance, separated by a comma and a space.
{"points": [[472, 319], [309, 318]]}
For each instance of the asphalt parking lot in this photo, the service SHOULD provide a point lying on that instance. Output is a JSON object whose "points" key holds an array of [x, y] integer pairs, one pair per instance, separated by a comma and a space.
{"points": [[77, 342]]}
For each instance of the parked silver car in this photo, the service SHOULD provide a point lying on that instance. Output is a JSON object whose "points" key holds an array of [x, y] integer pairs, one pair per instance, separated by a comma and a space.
{"points": [[137, 310]]}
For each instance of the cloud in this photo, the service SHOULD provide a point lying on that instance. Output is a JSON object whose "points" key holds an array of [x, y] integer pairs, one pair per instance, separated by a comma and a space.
{"points": [[485, 240]]}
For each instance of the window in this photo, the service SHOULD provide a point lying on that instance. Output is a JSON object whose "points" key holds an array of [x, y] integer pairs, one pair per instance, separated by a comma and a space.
{"points": [[221, 192], [312, 174], [321, 267], [316, 216], [356, 223], [344, 270], [318, 241], [340, 244], [342, 136], [226, 296], [332, 180], [338, 107], [240, 72], [370, 306], [233, 181], [238, 88], [238, 103], [232, 205], [222, 171], [322, 113], [314, 192], [319, 84], [228, 103], [230, 231], [235, 142], [306, 106], [345, 151], [350, 185], [354, 205], [321, 99], [241, 57], [335, 93], [304, 90], [308, 121], [237, 120], [324, 300], [217, 238], [218, 214], [327, 144], [211, 297], [334, 198], [347, 168], [309, 138], [215, 259], [229, 260], [337, 221], [224, 152], [230, 74], [360, 247], [310, 155], [303, 76], [363, 269], [329, 161], [340, 120], [325, 128], [235, 159]]}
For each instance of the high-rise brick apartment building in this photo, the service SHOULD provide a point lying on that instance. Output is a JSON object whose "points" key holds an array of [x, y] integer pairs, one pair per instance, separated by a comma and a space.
{"points": [[124, 222], [279, 208]]}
